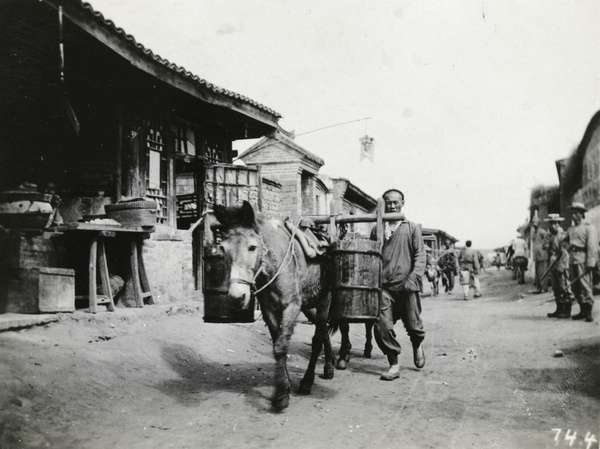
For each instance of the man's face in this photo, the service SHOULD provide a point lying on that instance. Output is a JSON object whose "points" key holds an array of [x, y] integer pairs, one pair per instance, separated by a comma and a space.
{"points": [[393, 202], [554, 227], [577, 216]]}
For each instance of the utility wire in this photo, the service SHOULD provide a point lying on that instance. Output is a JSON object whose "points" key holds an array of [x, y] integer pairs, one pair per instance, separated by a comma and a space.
{"points": [[315, 130]]}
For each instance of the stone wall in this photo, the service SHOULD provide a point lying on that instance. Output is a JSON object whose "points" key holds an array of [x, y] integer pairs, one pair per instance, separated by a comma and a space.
{"points": [[168, 256]]}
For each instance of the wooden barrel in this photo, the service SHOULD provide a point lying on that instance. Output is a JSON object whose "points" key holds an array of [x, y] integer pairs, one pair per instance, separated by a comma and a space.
{"points": [[356, 280], [218, 306]]}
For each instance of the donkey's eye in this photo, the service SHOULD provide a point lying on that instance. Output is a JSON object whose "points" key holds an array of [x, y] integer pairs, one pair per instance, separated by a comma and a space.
{"points": [[252, 248]]}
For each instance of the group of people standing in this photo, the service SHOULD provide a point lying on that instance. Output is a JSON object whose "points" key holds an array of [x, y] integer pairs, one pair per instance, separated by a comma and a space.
{"points": [[565, 260], [572, 256]]}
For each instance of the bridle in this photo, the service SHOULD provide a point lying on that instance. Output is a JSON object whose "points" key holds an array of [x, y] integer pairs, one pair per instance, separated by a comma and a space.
{"points": [[290, 254]]}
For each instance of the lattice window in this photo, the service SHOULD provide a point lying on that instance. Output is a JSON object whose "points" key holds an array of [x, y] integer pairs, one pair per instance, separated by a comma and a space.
{"points": [[185, 139], [156, 168], [214, 150]]}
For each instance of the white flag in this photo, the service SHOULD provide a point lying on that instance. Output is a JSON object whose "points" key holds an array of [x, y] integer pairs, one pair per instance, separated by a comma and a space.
{"points": [[367, 148]]}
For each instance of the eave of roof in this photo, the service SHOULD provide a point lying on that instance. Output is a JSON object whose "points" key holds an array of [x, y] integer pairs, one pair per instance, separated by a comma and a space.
{"points": [[572, 170], [280, 137], [354, 189], [84, 16]]}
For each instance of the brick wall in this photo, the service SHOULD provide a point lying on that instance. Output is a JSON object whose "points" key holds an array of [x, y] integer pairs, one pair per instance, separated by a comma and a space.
{"points": [[271, 198], [287, 175]]}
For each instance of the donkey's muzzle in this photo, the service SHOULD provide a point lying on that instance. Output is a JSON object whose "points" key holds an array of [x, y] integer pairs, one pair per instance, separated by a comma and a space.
{"points": [[240, 290]]}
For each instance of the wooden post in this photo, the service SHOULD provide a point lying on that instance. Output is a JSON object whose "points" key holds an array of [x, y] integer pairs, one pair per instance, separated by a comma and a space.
{"points": [[379, 223], [93, 300], [380, 236], [105, 277], [332, 230]]}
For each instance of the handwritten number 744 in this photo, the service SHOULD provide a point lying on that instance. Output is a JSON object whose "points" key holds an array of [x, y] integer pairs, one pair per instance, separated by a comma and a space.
{"points": [[589, 438]]}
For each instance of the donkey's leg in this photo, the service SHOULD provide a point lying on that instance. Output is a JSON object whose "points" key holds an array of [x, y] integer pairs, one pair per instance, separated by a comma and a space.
{"points": [[274, 330], [317, 344], [281, 398], [311, 314], [345, 346], [329, 370], [369, 337]]}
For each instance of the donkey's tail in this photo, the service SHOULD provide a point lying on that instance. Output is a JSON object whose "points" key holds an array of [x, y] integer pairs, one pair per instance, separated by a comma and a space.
{"points": [[333, 327]]}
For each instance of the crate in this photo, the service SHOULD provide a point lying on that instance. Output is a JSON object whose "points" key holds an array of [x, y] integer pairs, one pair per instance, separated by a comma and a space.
{"points": [[23, 251], [133, 213], [35, 290]]}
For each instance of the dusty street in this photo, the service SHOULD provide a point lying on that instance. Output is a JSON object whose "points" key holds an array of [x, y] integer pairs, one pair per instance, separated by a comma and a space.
{"points": [[160, 377]]}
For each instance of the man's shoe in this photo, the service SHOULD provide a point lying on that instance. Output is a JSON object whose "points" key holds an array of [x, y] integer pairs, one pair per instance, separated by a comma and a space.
{"points": [[555, 314], [588, 313], [565, 311], [477, 295], [579, 316], [466, 298], [419, 356], [392, 373]]}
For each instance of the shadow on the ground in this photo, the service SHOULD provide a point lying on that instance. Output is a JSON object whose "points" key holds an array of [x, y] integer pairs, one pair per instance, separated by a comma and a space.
{"points": [[199, 379], [584, 378]]}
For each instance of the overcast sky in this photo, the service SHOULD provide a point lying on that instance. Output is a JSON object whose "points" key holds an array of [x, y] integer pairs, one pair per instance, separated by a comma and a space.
{"points": [[471, 102]]}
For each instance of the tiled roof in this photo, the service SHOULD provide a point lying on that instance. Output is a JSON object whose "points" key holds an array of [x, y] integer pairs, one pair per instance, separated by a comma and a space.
{"points": [[173, 66]]}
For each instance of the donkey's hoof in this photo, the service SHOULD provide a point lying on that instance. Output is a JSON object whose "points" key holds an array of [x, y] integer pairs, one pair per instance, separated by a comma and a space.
{"points": [[304, 388], [341, 364], [328, 372], [281, 402]]}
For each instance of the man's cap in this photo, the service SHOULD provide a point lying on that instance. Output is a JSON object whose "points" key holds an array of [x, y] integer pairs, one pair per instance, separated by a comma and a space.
{"points": [[554, 218], [577, 205]]}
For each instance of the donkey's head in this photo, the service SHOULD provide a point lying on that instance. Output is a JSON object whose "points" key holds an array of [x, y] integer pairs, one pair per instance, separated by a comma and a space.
{"points": [[242, 244]]}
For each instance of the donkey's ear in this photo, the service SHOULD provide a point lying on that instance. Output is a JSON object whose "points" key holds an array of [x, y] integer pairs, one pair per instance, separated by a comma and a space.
{"points": [[220, 214], [246, 215]]}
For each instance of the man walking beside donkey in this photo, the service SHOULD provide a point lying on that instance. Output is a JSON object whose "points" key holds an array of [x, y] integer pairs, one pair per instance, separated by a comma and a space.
{"points": [[403, 269]]}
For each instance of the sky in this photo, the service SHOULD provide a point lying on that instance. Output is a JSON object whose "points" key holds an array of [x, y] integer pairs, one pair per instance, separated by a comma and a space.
{"points": [[470, 102]]}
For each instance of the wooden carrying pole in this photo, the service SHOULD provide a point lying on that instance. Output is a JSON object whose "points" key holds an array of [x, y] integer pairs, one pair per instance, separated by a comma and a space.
{"points": [[359, 218]]}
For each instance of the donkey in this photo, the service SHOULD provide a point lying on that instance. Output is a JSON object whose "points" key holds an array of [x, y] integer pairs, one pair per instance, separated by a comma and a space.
{"points": [[265, 256]]}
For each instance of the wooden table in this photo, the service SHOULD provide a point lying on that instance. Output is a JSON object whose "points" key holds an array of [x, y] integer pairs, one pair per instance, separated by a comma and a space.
{"points": [[95, 234]]}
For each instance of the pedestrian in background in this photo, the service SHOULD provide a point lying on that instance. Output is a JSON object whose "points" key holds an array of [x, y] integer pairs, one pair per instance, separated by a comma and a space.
{"points": [[448, 263], [558, 270], [469, 270], [519, 253], [583, 255], [540, 255]]}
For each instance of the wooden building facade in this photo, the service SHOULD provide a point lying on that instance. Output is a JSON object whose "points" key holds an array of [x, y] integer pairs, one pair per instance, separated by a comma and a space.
{"points": [[89, 109]]}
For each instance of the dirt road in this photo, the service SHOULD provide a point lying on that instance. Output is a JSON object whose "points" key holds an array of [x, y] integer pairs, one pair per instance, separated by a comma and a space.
{"points": [[160, 377]]}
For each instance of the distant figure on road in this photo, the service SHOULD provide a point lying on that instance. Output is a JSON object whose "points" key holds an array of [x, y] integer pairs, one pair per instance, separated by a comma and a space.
{"points": [[403, 270], [448, 263], [540, 256], [469, 270], [583, 256], [559, 267], [518, 252]]}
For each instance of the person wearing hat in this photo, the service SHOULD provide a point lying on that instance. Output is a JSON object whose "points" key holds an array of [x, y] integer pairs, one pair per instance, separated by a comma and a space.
{"points": [[583, 256], [559, 267], [539, 254]]}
